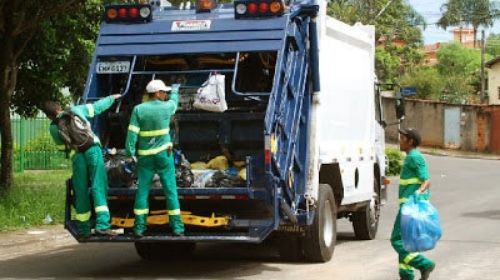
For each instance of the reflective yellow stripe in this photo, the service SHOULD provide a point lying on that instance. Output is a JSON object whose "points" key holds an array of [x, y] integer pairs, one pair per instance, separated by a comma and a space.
{"points": [[90, 108], [152, 133], [141, 211], [134, 128], [174, 212], [410, 181], [103, 208], [154, 151], [83, 217], [410, 257], [403, 266], [403, 200]]}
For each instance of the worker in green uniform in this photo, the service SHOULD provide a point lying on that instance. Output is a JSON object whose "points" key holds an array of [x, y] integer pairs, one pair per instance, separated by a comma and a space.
{"points": [[88, 165], [149, 132], [414, 178]]}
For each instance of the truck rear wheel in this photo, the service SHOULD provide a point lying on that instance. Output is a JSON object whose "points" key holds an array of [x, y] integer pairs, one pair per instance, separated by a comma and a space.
{"points": [[321, 236], [365, 222], [152, 251]]}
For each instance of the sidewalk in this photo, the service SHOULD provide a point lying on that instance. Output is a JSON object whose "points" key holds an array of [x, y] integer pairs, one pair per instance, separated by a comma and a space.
{"points": [[451, 153], [28, 241]]}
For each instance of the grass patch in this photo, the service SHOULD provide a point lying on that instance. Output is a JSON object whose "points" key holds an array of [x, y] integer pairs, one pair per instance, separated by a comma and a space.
{"points": [[34, 195]]}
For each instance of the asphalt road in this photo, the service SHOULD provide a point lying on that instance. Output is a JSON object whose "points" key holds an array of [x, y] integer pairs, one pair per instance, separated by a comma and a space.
{"points": [[466, 191]]}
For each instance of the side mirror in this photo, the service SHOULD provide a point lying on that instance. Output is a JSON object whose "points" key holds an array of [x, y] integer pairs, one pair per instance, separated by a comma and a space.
{"points": [[400, 108]]}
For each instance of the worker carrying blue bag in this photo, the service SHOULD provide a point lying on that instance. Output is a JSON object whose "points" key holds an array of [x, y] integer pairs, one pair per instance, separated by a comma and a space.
{"points": [[420, 226], [414, 178]]}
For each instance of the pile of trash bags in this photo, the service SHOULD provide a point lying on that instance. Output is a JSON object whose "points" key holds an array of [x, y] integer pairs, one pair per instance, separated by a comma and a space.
{"points": [[217, 173], [122, 172], [420, 224]]}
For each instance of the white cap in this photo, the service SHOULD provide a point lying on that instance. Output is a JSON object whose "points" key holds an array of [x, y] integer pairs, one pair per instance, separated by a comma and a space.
{"points": [[157, 85]]}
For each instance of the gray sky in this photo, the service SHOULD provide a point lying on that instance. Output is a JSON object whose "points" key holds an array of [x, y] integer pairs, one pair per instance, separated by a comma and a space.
{"points": [[430, 9]]}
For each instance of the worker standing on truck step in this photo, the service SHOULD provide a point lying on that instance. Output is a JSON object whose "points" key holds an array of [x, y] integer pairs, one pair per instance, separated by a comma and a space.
{"points": [[414, 178], [149, 125], [71, 128]]}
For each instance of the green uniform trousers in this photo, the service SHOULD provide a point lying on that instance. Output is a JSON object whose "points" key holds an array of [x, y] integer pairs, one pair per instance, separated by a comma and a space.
{"points": [[407, 261], [163, 165], [89, 165]]}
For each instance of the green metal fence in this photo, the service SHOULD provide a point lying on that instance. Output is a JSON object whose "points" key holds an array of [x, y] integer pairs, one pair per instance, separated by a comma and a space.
{"points": [[33, 146]]}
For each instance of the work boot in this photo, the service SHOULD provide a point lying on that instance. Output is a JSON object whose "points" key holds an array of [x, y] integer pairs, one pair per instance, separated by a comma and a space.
{"points": [[138, 234], [426, 272], [178, 234], [105, 232]]}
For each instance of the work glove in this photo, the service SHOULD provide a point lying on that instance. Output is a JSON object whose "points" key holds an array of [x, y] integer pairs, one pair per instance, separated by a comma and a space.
{"points": [[116, 96], [175, 87]]}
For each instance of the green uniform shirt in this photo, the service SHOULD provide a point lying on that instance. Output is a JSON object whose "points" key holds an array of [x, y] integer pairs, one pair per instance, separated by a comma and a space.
{"points": [[85, 112], [413, 174], [149, 126]]}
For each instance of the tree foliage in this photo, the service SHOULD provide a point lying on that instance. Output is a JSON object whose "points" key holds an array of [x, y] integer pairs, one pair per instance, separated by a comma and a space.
{"points": [[455, 79], [427, 80], [473, 13], [45, 45], [493, 45], [394, 20], [58, 57], [455, 59]]}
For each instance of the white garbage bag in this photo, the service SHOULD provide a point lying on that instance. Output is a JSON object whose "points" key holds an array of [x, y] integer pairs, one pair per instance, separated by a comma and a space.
{"points": [[211, 95]]}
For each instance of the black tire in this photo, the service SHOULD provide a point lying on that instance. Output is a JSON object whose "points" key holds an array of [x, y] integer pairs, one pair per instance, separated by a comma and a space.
{"points": [[321, 236], [365, 222], [164, 251]]}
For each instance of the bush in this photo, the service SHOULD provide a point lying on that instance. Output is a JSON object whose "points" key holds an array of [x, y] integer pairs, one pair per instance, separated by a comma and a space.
{"points": [[41, 143], [395, 157], [428, 82]]}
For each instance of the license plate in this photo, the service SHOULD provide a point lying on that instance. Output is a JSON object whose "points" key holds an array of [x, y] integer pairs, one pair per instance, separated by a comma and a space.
{"points": [[112, 67], [191, 25]]}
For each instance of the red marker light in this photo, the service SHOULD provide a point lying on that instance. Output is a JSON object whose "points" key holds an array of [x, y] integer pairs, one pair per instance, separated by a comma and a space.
{"points": [[133, 12], [263, 8], [267, 157], [252, 8], [122, 12]]}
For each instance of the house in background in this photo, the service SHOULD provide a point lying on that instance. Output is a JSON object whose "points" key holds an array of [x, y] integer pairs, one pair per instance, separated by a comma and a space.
{"points": [[494, 81], [430, 54], [465, 36]]}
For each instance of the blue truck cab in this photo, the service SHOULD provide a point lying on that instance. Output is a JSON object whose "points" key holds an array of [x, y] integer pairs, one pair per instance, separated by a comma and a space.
{"points": [[269, 55]]}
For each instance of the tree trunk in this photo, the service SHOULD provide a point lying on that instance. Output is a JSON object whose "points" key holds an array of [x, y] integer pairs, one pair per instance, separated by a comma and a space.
{"points": [[8, 79], [475, 35]]}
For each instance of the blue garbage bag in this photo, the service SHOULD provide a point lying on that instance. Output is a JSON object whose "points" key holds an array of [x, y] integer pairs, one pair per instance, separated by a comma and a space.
{"points": [[420, 224]]}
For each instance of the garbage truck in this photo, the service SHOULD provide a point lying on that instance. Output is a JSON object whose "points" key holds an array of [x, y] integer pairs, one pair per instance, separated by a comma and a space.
{"points": [[303, 131]]}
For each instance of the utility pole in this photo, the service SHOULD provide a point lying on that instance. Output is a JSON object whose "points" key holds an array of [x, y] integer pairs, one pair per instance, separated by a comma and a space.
{"points": [[483, 50]]}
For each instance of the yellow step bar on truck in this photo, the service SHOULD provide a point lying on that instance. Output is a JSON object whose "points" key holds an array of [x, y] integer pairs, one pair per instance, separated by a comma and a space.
{"points": [[160, 217]]}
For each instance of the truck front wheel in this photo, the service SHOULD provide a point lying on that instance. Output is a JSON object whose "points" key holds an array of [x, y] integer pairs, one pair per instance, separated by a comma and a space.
{"points": [[321, 236]]}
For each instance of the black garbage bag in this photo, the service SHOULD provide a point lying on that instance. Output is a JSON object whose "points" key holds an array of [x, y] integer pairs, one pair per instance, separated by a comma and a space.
{"points": [[183, 173], [121, 170], [222, 179]]}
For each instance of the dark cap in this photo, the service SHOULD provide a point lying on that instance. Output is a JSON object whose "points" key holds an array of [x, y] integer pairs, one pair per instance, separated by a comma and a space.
{"points": [[411, 133]]}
